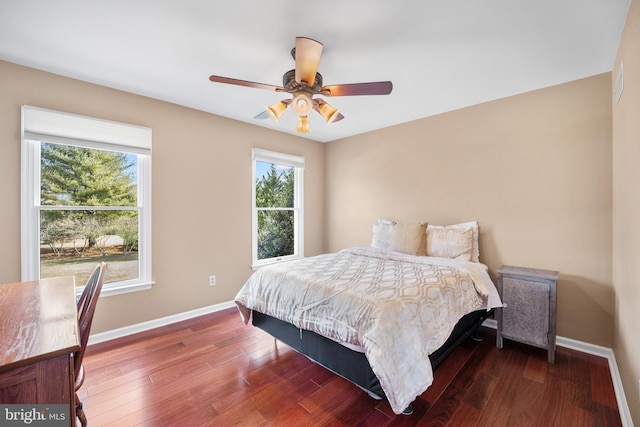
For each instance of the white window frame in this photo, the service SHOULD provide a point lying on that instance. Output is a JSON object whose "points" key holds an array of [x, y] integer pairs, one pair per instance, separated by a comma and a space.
{"points": [[42, 125], [283, 159]]}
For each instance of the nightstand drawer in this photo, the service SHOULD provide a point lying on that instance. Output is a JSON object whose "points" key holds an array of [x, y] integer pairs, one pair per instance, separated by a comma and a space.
{"points": [[526, 316]]}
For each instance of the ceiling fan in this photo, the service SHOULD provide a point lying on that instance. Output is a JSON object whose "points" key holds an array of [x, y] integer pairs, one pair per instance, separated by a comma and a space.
{"points": [[303, 83]]}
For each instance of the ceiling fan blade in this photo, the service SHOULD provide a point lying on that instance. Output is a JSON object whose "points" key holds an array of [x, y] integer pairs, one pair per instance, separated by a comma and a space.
{"points": [[307, 54], [263, 115], [338, 118], [237, 82], [371, 88]]}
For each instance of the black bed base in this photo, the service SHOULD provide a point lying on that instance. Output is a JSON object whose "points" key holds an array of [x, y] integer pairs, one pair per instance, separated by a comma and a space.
{"points": [[352, 364]]}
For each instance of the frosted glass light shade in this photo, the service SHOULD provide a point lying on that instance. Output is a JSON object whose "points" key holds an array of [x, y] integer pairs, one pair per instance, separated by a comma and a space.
{"points": [[328, 112], [276, 110], [303, 125]]}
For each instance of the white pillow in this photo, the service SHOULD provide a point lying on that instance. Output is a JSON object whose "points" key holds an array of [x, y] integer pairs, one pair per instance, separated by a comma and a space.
{"points": [[407, 238], [475, 252], [381, 236], [450, 242]]}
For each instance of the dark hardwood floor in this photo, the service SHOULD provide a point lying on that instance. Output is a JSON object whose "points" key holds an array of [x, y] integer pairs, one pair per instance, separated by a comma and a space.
{"points": [[215, 371]]}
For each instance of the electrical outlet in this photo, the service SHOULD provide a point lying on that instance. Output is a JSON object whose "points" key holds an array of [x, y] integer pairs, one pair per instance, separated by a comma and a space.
{"points": [[212, 280]]}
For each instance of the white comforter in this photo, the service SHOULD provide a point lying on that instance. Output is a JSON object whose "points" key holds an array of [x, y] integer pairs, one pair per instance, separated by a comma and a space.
{"points": [[399, 308]]}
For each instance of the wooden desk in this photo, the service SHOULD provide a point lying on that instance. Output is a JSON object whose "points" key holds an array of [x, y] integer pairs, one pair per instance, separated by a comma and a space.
{"points": [[39, 332]]}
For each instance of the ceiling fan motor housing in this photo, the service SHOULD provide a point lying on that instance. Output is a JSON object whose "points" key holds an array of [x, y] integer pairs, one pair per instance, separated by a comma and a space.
{"points": [[291, 85]]}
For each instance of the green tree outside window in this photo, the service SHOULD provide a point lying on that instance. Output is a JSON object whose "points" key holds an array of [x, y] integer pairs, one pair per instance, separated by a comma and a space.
{"points": [[276, 218]]}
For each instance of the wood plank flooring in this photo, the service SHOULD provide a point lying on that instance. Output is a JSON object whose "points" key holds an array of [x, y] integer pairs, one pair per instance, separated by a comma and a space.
{"points": [[215, 371]]}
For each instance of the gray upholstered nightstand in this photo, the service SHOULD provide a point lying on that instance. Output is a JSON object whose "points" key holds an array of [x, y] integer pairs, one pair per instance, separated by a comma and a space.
{"points": [[529, 315]]}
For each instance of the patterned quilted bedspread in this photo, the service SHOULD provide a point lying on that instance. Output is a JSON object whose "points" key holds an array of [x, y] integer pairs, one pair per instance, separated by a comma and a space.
{"points": [[399, 308]]}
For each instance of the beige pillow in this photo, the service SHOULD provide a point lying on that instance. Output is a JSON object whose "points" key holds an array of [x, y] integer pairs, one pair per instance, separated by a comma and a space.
{"points": [[450, 242], [407, 238], [475, 254]]}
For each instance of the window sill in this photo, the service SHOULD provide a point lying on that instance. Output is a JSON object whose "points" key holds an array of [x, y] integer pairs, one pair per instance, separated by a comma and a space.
{"points": [[119, 290], [275, 261]]}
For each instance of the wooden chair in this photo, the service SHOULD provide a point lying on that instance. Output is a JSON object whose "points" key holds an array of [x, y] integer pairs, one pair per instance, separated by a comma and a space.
{"points": [[86, 307]]}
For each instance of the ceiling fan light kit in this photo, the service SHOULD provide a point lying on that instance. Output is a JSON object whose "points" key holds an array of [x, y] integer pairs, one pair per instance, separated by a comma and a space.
{"points": [[303, 83]]}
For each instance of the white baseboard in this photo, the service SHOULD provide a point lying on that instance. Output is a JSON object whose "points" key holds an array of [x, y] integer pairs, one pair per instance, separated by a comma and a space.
{"points": [[584, 347], [596, 350], [156, 323]]}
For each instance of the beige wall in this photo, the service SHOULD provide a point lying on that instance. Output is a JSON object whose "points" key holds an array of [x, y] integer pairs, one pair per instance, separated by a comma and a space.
{"points": [[533, 169], [626, 212], [201, 191]]}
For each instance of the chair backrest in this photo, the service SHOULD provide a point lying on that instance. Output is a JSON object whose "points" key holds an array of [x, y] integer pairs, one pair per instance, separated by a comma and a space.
{"points": [[86, 308]]}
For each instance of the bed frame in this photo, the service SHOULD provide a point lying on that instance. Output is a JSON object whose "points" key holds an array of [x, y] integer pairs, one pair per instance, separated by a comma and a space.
{"points": [[352, 364]]}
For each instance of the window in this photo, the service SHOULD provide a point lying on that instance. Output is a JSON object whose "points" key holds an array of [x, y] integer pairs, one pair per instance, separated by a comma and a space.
{"points": [[277, 207], [86, 198]]}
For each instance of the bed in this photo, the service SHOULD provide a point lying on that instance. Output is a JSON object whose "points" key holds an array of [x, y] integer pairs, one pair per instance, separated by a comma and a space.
{"points": [[380, 317]]}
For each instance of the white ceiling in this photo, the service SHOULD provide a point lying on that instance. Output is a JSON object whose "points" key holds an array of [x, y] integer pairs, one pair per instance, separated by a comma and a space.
{"points": [[440, 55]]}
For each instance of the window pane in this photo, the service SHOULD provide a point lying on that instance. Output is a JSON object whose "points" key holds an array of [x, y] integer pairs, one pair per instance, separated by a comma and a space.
{"points": [[274, 185], [275, 233], [73, 242], [77, 176]]}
